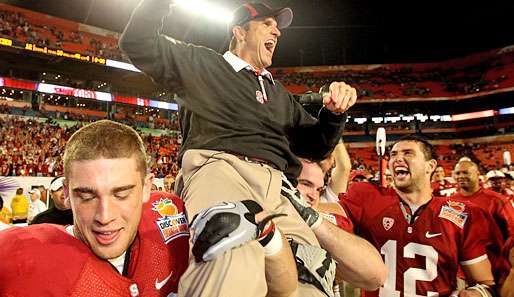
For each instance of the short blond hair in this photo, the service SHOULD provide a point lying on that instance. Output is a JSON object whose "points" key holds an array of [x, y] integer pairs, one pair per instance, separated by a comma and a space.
{"points": [[105, 139]]}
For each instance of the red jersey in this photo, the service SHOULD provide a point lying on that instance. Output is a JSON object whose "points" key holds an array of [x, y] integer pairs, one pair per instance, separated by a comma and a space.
{"points": [[45, 260], [502, 214], [496, 205], [422, 256], [444, 189]]}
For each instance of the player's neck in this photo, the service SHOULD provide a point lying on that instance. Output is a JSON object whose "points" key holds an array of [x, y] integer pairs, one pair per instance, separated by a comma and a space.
{"points": [[470, 191], [416, 197]]}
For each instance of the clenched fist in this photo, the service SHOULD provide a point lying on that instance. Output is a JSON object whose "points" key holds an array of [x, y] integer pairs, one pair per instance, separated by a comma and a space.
{"points": [[339, 97]]}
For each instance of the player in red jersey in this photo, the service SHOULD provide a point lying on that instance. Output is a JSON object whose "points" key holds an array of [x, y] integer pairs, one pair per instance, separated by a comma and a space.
{"points": [[443, 186], [499, 208], [118, 245], [55, 262], [467, 176], [423, 240]]}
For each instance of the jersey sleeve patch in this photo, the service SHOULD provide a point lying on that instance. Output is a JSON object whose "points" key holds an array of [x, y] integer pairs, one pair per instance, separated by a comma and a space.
{"points": [[172, 223], [454, 212]]}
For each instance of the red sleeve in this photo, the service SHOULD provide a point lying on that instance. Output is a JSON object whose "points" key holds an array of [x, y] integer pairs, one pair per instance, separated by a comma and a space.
{"points": [[34, 257], [509, 244], [506, 213], [477, 235], [351, 202], [340, 221]]}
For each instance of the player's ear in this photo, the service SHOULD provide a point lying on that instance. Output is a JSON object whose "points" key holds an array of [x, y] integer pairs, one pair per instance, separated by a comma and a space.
{"points": [[432, 164], [66, 193], [147, 187]]}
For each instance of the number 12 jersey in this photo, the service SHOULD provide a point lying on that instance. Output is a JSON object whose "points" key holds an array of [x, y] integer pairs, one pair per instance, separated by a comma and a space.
{"points": [[422, 250]]}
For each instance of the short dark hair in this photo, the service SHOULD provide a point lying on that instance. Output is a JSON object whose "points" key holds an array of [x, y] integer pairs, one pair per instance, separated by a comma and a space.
{"points": [[426, 147], [1, 202], [19, 191]]}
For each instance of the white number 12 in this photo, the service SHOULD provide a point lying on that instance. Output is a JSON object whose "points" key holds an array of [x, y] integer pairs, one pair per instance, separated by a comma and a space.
{"points": [[411, 275]]}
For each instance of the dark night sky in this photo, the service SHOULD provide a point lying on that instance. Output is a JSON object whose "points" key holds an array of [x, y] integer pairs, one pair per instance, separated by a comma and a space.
{"points": [[334, 32]]}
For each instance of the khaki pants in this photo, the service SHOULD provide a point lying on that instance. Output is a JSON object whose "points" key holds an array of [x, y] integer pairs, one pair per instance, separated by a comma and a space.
{"points": [[209, 177]]}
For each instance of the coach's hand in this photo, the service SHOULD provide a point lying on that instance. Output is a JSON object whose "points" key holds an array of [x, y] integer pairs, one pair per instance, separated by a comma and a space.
{"points": [[339, 97]]}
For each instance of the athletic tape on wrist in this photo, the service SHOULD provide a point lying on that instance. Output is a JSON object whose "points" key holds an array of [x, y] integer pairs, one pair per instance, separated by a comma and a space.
{"points": [[274, 245], [484, 290]]}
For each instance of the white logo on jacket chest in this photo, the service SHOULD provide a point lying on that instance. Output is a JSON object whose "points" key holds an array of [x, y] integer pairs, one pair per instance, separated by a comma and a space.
{"points": [[387, 223], [259, 97]]}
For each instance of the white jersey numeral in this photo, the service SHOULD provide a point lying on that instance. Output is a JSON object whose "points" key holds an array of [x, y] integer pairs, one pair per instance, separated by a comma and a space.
{"points": [[411, 275]]}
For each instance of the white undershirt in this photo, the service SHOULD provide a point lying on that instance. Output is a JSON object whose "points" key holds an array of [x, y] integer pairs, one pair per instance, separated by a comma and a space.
{"points": [[413, 207]]}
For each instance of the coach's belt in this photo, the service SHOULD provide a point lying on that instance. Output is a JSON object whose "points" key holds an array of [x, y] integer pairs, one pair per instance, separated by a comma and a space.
{"points": [[254, 160]]}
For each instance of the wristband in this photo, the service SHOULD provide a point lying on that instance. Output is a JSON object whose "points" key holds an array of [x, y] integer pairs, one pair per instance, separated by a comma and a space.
{"points": [[484, 290], [274, 245]]}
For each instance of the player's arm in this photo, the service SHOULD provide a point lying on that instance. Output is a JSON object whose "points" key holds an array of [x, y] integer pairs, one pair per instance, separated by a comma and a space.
{"points": [[229, 225], [358, 262], [341, 172], [281, 274], [473, 254], [507, 290], [480, 274]]}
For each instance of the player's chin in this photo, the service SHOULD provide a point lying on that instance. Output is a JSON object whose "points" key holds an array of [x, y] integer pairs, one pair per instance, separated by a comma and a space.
{"points": [[111, 252], [401, 184]]}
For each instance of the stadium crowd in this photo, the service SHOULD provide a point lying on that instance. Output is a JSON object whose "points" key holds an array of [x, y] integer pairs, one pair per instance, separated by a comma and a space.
{"points": [[15, 25], [33, 147], [29, 147]]}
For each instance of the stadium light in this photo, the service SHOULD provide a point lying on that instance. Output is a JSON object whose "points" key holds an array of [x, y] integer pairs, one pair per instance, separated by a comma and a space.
{"points": [[377, 120], [473, 115], [206, 9], [408, 118], [507, 110], [360, 120]]}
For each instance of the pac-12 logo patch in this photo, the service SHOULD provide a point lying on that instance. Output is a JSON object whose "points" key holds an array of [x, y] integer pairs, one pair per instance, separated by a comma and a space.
{"points": [[171, 224], [387, 223]]}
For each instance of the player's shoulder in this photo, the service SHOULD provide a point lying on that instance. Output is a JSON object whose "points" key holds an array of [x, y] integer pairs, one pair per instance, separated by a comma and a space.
{"points": [[48, 239], [43, 234], [456, 202], [165, 200], [457, 211], [494, 195], [43, 244], [165, 213], [366, 190]]}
